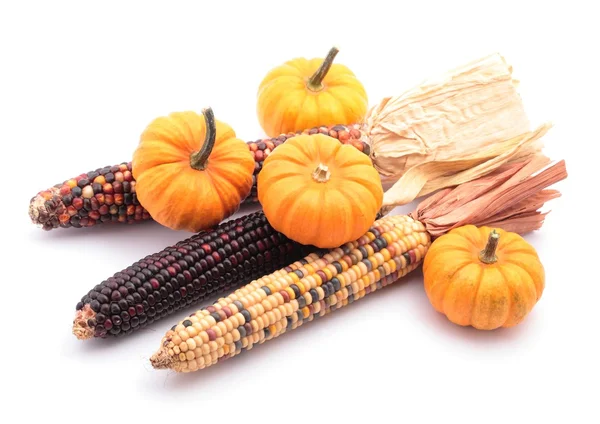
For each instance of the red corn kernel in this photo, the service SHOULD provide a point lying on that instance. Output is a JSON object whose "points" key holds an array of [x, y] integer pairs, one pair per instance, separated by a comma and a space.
{"points": [[118, 199], [139, 309], [84, 221], [100, 198], [94, 215], [94, 204], [183, 292], [127, 176], [71, 210], [108, 324], [358, 144], [109, 199], [155, 283], [122, 218], [119, 177], [117, 187], [123, 167], [64, 190], [77, 203], [64, 218], [206, 248], [130, 210], [259, 155], [107, 188], [103, 210], [211, 334], [131, 311]]}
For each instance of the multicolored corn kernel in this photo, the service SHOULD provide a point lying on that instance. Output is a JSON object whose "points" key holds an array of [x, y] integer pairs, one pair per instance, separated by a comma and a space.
{"points": [[69, 204], [296, 294], [84, 201], [208, 263]]}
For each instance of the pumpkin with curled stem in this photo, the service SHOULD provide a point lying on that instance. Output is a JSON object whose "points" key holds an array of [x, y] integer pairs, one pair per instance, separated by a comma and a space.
{"points": [[319, 192], [192, 171], [483, 277], [305, 93]]}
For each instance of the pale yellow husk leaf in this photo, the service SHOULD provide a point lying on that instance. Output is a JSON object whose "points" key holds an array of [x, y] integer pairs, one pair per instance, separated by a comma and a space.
{"points": [[450, 130]]}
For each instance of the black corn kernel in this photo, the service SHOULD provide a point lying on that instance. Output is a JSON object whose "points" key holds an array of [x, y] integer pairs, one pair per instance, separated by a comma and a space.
{"points": [[246, 315]]}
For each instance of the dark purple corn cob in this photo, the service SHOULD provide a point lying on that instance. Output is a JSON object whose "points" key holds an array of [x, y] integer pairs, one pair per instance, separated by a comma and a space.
{"points": [[210, 262], [108, 194]]}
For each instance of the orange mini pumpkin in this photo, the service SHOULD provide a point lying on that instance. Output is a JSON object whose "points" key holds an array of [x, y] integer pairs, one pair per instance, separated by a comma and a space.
{"points": [[483, 278], [191, 171], [319, 192], [305, 93]]}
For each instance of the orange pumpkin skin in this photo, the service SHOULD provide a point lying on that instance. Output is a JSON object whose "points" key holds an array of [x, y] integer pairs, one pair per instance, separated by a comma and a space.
{"points": [[175, 194], [288, 102], [319, 192], [483, 295]]}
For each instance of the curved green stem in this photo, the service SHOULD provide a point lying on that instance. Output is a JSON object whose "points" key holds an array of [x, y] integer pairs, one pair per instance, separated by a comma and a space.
{"points": [[199, 159], [315, 83]]}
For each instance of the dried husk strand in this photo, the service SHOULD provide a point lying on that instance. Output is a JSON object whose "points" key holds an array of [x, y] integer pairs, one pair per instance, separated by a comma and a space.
{"points": [[327, 280]]}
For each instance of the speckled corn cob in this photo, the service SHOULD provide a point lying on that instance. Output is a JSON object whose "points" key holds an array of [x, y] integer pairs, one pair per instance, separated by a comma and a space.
{"points": [[104, 195], [286, 299], [108, 194], [209, 262]]}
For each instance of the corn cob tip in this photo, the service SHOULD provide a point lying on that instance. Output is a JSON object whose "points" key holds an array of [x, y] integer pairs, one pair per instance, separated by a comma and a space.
{"points": [[81, 329], [45, 208], [161, 360]]}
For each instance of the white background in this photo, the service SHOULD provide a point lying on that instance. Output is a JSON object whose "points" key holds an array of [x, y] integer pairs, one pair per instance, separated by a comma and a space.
{"points": [[80, 80]]}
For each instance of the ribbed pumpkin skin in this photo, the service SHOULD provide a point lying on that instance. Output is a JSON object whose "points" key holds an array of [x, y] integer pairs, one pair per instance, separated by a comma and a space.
{"points": [[323, 214], [178, 196], [484, 296], [285, 103]]}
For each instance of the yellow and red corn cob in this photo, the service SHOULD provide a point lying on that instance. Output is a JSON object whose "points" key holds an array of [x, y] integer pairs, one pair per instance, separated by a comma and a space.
{"points": [[208, 263], [108, 194], [286, 299]]}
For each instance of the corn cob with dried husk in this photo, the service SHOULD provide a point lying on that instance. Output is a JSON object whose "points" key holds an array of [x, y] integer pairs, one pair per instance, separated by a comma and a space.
{"points": [[443, 132], [328, 280], [109, 194]]}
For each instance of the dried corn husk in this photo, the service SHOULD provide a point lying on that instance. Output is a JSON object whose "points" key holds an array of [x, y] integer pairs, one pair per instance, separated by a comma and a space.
{"points": [[450, 130], [510, 197]]}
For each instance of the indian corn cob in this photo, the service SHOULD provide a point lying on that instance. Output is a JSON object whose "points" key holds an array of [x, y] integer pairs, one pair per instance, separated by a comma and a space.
{"points": [[207, 263], [108, 194], [325, 281], [284, 300]]}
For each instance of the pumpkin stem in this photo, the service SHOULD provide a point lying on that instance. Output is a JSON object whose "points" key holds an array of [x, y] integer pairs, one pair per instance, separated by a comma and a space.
{"points": [[321, 173], [488, 255], [199, 159], [315, 83]]}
